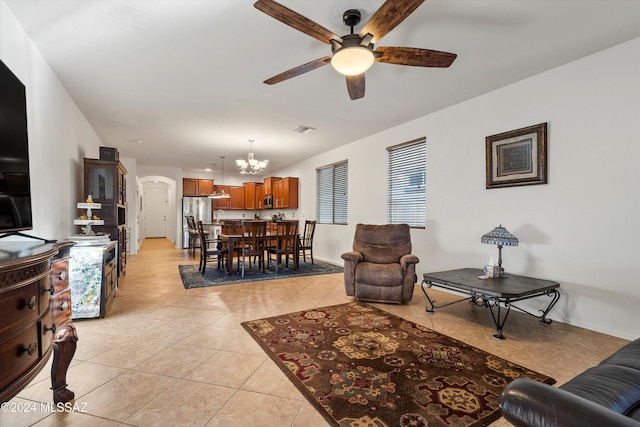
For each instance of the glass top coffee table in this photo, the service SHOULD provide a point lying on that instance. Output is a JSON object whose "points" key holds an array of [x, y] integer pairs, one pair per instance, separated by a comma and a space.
{"points": [[495, 294]]}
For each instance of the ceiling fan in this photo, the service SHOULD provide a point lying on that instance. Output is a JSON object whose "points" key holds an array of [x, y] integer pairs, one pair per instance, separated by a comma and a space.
{"points": [[353, 53]]}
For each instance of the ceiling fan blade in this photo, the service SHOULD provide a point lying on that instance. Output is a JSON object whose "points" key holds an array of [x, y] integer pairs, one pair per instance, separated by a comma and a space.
{"points": [[295, 20], [390, 14], [415, 56], [300, 69], [355, 86]]}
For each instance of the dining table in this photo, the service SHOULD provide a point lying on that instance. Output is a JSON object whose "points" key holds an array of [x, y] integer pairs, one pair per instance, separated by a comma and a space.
{"points": [[232, 239]]}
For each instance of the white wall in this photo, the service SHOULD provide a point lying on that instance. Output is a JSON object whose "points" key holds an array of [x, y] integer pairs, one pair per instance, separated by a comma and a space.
{"points": [[59, 135], [581, 229]]}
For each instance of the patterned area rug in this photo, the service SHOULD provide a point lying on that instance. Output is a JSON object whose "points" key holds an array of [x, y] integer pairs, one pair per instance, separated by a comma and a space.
{"points": [[191, 277], [361, 366]]}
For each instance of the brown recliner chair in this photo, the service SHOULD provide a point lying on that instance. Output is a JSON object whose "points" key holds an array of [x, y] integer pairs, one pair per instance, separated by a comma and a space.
{"points": [[381, 266]]}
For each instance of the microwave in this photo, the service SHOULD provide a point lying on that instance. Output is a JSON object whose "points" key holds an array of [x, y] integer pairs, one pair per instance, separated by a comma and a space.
{"points": [[268, 201]]}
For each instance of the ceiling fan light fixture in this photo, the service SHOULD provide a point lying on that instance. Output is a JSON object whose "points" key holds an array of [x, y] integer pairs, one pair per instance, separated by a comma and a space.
{"points": [[352, 60]]}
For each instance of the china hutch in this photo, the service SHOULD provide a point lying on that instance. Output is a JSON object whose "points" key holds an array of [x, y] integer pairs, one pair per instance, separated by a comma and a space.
{"points": [[105, 181]]}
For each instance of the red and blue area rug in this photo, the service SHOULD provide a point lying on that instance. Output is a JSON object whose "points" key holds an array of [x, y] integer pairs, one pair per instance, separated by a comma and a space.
{"points": [[361, 366]]}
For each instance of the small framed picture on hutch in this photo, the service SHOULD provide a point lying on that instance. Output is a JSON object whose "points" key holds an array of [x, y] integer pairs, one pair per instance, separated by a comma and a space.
{"points": [[517, 157]]}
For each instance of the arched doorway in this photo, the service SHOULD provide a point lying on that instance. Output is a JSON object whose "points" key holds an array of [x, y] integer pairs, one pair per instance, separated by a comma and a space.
{"points": [[156, 188], [155, 209]]}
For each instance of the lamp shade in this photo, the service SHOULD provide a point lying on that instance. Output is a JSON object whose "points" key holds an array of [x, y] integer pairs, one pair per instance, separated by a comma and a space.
{"points": [[352, 60], [500, 236]]}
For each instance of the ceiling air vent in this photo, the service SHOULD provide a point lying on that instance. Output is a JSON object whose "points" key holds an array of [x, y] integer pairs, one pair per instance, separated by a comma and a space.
{"points": [[304, 129]]}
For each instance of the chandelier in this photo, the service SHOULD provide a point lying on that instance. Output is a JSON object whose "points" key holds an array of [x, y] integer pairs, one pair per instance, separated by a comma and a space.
{"points": [[251, 166], [222, 194]]}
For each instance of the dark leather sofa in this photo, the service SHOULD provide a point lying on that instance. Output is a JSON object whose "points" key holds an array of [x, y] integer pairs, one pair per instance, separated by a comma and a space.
{"points": [[607, 395]]}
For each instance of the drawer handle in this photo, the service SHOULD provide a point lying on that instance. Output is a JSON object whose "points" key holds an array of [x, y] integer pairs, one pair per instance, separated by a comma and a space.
{"points": [[52, 328], [33, 303], [64, 305], [62, 275], [33, 347]]}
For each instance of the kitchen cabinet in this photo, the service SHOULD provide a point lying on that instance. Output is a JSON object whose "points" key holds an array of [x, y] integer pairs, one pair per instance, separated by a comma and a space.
{"points": [[235, 202], [250, 201], [192, 187], [237, 198], [268, 184], [260, 196], [285, 193]]}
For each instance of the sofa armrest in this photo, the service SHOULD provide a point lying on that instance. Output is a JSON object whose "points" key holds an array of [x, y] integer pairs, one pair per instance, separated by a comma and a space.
{"points": [[352, 256], [408, 259], [351, 260], [528, 403]]}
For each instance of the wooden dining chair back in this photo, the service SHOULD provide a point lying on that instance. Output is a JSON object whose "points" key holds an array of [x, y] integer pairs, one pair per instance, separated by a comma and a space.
{"points": [[286, 244], [252, 245], [210, 249], [193, 235], [306, 240], [233, 227]]}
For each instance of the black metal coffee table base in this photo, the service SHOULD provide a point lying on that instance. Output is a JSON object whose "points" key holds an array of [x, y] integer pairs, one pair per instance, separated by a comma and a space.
{"points": [[498, 295]]}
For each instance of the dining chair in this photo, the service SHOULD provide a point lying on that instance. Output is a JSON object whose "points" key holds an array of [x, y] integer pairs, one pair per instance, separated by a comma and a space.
{"points": [[286, 244], [193, 235], [306, 240], [252, 245], [210, 250], [233, 227]]}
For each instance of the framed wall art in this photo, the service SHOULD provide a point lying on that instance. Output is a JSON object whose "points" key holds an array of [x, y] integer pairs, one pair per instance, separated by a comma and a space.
{"points": [[517, 157]]}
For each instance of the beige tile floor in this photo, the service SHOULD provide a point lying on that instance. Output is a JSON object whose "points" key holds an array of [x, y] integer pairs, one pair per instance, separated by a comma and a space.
{"points": [[166, 356]]}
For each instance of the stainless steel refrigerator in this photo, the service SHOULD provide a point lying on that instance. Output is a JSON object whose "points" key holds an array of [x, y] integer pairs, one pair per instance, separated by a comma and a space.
{"points": [[200, 208]]}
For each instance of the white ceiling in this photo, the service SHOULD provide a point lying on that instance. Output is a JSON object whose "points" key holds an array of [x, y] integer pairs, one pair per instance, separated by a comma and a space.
{"points": [[185, 76]]}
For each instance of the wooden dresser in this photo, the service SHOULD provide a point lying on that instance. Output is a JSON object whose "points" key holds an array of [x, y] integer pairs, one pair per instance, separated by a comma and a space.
{"points": [[35, 316]]}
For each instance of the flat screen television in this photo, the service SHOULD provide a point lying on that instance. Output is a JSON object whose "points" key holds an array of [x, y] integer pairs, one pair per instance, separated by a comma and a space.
{"points": [[15, 187]]}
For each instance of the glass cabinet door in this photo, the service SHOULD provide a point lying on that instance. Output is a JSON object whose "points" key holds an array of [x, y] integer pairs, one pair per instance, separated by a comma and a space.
{"points": [[100, 182]]}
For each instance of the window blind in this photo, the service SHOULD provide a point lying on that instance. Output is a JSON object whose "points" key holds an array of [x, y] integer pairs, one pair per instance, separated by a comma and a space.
{"points": [[332, 194], [406, 185]]}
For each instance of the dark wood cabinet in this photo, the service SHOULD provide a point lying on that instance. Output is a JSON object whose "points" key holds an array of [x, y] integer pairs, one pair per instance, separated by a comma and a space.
{"points": [[285, 193], [105, 180], [237, 197], [250, 195], [189, 187], [221, 203], [235, 202], [268, 184], [192, 187], [35, 304], [260, 196]]}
